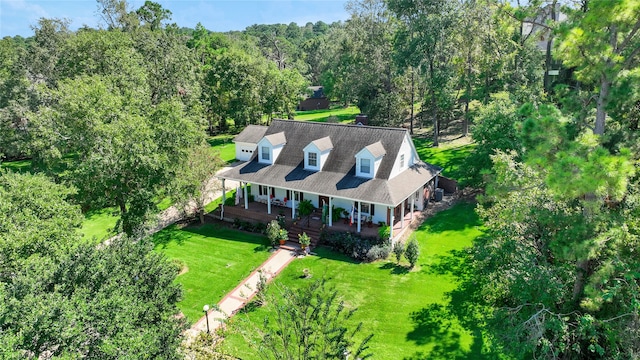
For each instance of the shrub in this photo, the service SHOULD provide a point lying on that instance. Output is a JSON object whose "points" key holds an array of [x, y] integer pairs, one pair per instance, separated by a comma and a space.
{"points": [[384, 232], [356, 247], [398, 250], [413, 251], [378, 252]]}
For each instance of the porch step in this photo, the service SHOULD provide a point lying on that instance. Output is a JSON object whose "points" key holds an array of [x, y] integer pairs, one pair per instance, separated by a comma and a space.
{"points": [[313, 232]]}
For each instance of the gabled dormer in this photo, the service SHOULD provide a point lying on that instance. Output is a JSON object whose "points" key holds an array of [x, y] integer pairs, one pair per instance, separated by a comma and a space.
{"points": [[269, 148], [368, 160], [316, 153]]}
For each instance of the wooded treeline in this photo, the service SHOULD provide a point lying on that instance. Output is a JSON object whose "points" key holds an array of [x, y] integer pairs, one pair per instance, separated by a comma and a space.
{"points": [[118, 113]]}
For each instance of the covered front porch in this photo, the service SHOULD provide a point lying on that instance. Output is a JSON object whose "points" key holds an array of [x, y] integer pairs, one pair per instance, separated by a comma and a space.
{"points": [[258, 212]]}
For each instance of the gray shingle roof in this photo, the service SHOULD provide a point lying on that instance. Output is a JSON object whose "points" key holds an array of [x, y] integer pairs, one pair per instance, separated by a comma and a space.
{"points": [[338, 175], [376, 149], [251, 134], [277, 138], [323, 144]]}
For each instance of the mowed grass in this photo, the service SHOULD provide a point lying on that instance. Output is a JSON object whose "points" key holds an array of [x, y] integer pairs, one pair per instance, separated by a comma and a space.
{"points": [[343, 114], [404, 309], [98, 225], [223, 144], [449, 155], [214, 259]]}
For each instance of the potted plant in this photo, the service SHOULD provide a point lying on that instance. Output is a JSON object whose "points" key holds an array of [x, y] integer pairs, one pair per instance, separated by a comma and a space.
{"points": [[284, 236], [273, 232], [305, 240]]}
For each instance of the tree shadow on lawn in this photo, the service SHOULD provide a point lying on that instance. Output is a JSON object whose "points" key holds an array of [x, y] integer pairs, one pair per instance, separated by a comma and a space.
{"points": [[433, 324], [179, 235], [170, 234], [328, 253], [460, 217], [396, 269]]}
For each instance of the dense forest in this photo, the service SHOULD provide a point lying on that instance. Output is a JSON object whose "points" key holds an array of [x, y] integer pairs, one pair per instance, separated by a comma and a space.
{"points": [[547, 89]]}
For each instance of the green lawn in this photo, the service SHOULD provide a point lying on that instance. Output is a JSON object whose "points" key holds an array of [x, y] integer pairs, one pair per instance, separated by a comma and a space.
{"points": [[450, 156], [214, 259], [98, 225], [347, 114], [405, 310], [224, 145]]}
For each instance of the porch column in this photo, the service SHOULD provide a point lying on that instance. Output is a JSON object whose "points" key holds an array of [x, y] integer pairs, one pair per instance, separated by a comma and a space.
{"points": [[269, 200], [402, 215], [434, 189], [413, 202], [391, 220], [330, 212], [293, 204], [224, 197], [358, 214], [246, 197]]}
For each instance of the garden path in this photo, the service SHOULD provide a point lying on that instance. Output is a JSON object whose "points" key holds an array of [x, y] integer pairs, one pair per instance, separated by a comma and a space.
{"points": [[244, 292]]}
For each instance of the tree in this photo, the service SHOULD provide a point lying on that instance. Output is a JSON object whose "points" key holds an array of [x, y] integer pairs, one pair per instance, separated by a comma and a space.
{"points": [[412, 253], [125, 155], [110, 302], [426, 40], [64, 297], [308, 323], [398, 250], [37, 223], [602, 40], [195, 183], [496, 129]]}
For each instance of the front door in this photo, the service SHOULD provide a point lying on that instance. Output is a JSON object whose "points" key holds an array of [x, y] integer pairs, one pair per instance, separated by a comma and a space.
{"points": [[322, 200]]}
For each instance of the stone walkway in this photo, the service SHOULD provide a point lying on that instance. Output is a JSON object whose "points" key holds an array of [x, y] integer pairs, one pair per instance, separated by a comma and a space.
{"points": [[243, 293]]}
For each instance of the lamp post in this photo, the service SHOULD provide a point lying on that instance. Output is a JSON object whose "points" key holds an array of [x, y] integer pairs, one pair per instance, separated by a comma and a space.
{"points": [[206, 314]]}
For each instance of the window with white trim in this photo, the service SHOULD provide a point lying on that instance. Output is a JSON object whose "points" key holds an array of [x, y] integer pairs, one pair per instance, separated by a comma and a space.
{"points": [[365, 166], [312, 159], [265, 153]]}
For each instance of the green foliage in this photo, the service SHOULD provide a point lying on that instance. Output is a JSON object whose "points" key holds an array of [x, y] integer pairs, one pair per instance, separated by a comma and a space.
{"points": [[398, 250], [412, 253], [61, 296], [496, 129], [37, 224], [384, 232], [305, 208], [308, 323], [305, 240], [273, 232], [194, 182]]}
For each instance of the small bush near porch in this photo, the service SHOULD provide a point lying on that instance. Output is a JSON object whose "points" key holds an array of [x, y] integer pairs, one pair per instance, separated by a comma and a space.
{"points": [[408, 311], [213, 260]]}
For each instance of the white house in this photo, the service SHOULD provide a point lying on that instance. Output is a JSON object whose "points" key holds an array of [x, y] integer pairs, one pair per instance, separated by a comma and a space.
{"points": [[373, 171]]}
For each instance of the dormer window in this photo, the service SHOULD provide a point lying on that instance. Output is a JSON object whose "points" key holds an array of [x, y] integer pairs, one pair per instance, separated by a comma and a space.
{"points": [[365, 166], [368, 160], [312, 159], [265, 153], [270, 148], [317, 153]]}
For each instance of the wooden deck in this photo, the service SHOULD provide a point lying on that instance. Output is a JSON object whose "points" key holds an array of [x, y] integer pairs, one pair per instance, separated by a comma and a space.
{"points": [[257, 212]]}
